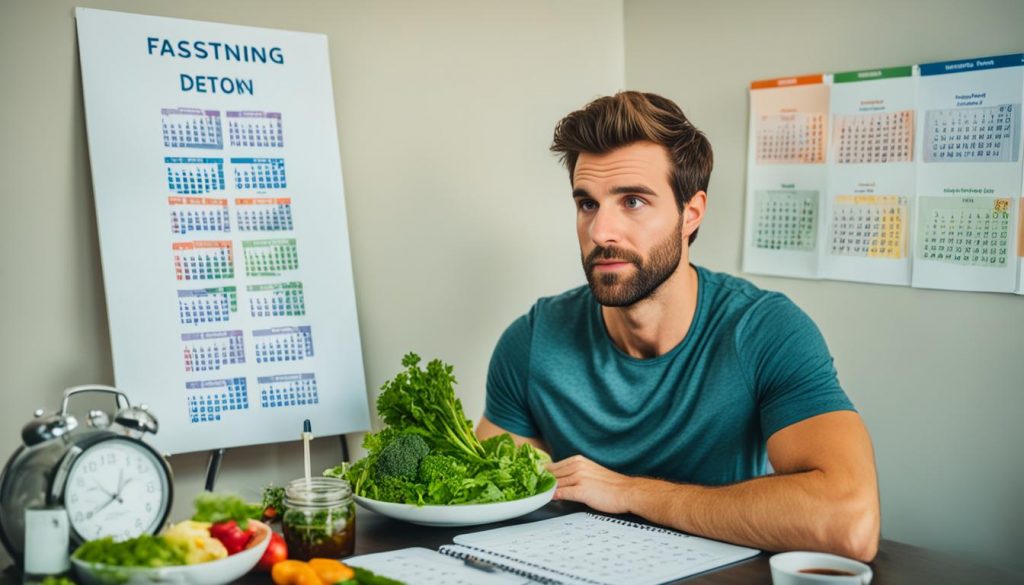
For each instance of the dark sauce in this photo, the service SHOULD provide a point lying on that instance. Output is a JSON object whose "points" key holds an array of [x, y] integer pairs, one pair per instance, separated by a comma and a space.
{"points": [[318, 539]]}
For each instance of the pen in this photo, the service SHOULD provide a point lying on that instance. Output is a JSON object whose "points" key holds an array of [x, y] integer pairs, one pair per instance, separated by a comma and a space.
{"points": [[489, 567]]}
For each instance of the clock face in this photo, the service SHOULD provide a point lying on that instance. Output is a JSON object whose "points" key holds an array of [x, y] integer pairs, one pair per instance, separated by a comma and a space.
{"points": [[116, 488]]}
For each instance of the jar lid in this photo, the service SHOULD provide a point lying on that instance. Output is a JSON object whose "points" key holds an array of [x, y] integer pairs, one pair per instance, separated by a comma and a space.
{"points": [[317, 492]]}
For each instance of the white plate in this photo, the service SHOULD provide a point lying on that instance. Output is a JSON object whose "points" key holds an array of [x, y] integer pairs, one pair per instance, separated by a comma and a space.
{"points": [[459, 514], [216, 572]]}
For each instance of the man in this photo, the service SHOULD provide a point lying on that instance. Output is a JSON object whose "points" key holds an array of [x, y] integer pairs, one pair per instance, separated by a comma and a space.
{"points": [[662, 389]]}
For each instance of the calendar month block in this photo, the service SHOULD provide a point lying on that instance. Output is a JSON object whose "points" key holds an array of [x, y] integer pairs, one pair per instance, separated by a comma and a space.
{"points": [[199, 214], [791, 138], [786, 219], [212, 350], [191, 128], [283, 344], [209, 400], [283, 299], [873, 138], [194, 176], [288, 390], [264, 215], [255, 129], [869, 226], [207, 305], [968, 231], [270, 257], [259, 174], [982, 134], [203, 260]]}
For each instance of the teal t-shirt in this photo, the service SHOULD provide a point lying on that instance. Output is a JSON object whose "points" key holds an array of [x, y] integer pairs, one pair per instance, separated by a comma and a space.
{"points": [[751, 363]]}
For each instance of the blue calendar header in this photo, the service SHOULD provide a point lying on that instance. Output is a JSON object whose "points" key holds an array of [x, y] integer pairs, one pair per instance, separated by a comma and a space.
{"points": [[215, 51], [980, 64]]}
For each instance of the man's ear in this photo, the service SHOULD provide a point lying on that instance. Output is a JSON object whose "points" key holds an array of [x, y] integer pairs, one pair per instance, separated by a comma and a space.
{"points": [[693, 213]]}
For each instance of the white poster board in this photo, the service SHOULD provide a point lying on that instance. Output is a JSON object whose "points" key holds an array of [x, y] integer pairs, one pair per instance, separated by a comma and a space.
{"points": [[223, 233], [786, 176], [870, 177], [968, 174]]}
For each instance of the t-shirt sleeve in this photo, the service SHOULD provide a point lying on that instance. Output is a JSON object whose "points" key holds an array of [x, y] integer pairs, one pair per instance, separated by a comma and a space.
{"points": [[788, 365], [508, 378]]}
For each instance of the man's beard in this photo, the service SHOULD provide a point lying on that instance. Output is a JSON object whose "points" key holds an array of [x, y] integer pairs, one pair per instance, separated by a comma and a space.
{"points": [[612, 290]]}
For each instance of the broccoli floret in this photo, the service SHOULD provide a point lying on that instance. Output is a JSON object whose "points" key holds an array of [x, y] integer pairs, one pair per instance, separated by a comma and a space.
{"points": [[401, 457], [444, 476]]}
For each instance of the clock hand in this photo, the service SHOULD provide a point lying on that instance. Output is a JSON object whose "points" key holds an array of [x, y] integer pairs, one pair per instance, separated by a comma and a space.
{"points": [[103, 489], [104, 505]]}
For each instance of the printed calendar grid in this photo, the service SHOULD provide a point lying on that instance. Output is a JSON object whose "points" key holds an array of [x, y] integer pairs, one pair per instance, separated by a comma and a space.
{"points": [[259, 174], [870, 226], [191, 128], [194, 176], [276, 300], [791, 138], [199, 214], [203, 260], [270, 257], [255, 129], [979, 134], [283, 344], [212, 350], [786, 219], [208, 400], [970, 231], [288, 390], [873, 138], [207, 305], [266, 214]]}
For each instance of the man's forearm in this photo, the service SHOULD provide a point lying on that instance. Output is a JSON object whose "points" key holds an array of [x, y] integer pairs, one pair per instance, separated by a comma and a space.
{"points": [[806, 511]]}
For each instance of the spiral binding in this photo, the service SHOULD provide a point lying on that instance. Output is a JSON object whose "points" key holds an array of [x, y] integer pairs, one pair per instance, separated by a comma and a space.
{"points": [[446, 550]]}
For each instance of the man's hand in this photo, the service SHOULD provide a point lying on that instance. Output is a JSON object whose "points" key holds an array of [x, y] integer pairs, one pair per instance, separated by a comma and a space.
{"points": [[582, 480]]}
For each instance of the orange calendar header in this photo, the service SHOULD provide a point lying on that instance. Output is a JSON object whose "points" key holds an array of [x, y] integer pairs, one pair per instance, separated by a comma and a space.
{"points": [[788, 81], [264, 201]]}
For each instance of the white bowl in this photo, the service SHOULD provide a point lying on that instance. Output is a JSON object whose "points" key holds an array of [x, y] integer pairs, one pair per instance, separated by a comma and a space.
{"points": [[458, 514], [216, 572]]}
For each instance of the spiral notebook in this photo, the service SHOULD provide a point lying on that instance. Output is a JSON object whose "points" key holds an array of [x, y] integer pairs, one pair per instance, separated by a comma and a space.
{"points": [[576, 549]]}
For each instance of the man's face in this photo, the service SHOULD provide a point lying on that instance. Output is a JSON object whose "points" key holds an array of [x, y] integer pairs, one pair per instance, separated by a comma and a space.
{"points": [[630, 229]]}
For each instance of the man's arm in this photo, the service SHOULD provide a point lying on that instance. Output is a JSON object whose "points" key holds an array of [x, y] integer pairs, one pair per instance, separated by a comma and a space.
{"points": [[486, 429], [823, 495]]}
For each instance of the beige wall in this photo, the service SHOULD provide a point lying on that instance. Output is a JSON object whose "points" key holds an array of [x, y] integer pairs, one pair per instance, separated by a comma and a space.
{"points": [[938, 376], [458, 216]]}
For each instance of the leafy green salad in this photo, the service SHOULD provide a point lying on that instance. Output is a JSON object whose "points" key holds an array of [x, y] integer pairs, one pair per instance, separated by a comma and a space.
{"points": [[428, 453]]}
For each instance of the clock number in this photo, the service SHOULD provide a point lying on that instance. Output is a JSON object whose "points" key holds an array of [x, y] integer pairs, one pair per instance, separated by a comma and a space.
{"points": [[138, 523], [149, 507], [150, 487]]}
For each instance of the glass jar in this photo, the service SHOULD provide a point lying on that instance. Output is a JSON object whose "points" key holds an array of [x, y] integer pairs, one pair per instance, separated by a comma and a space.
{"points": [[319, 519]]}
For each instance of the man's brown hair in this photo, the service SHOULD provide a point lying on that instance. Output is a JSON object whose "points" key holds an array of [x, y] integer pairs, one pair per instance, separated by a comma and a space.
{"points": [[631, 116]]}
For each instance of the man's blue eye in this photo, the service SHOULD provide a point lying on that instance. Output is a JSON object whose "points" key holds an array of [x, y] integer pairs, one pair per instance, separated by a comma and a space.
{"points": [[634, 202], [587, 205]]}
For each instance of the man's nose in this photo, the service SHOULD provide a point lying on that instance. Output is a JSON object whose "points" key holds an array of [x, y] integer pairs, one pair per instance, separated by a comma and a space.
{"points": [[606, 227]]}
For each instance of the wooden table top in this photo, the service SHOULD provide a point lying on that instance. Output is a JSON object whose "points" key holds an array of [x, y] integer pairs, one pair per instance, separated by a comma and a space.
{"points": [[897, 563]]}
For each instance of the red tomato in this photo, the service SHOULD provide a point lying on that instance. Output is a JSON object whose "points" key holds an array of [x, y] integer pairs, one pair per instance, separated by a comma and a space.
{"points": [[276, 552]]}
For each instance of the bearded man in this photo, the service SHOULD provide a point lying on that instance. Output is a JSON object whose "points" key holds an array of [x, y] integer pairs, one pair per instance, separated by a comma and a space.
{"points": [[663, 389]]}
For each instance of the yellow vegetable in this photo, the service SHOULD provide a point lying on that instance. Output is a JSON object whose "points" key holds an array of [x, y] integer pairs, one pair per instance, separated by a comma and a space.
{"points": [[195, 536], [331, 571], [294, 573]]}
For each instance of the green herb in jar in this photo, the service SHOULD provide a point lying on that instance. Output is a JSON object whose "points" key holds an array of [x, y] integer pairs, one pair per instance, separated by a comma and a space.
{"points": [[319, 520]]}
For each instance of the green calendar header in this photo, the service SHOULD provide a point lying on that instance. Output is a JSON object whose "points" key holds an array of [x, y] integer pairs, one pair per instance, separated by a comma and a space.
{"points": [[873, 74]]}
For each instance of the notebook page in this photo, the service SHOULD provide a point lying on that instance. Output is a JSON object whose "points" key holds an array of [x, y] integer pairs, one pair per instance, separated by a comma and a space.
{"points": [[421, 566], [602, 550]]}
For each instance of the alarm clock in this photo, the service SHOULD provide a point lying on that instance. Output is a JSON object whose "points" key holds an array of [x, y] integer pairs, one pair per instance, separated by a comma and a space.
{"points": [[110, 481]]}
